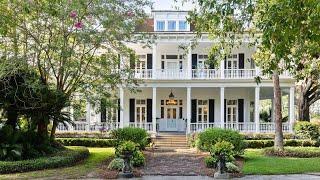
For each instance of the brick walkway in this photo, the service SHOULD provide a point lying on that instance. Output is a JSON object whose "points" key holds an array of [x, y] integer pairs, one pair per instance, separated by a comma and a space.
{"points": [[173, 163]]}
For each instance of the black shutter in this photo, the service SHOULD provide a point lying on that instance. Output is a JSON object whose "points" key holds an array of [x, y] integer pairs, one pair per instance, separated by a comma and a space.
{"points": [[149, 110], [225, 110], [132, 61], [211, 64], [103, 111], [132, 109], [194, 60], [241, 61], [119, 108], [240, 110], [149, 61], [162, 64], [211, 110], [180, 64], [193, 110], [225, 62]]}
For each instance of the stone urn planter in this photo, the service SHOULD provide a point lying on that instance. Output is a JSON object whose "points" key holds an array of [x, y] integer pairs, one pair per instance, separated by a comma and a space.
{"points": [[127, 167]]}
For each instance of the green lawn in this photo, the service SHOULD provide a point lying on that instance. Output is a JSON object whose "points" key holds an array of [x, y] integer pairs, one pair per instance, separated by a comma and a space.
{"points": [[96, 157], [257, 163]]}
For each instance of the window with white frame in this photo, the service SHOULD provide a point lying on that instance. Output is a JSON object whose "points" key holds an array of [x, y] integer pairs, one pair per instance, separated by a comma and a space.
{"points": [[141, 63], [232, 61], [182, 25], [141, 111], [202, 58], [251, 111], [202, 111], [171, 25], [160, 25]]}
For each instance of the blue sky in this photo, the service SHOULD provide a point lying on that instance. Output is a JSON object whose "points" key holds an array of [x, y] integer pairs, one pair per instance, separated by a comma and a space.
{"points": [[171, 5]]}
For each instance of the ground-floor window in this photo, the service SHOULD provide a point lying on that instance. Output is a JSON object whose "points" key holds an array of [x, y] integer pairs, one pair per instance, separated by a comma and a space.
{"points": [[141, 110], [202, 111], [232, 111], [251, 111]]}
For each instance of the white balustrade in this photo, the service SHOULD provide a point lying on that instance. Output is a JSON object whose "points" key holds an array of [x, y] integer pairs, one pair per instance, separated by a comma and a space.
{"points": [[205, 74], [171, 74], [84, 127], [147, 126], [143, 73], [239, 73]]}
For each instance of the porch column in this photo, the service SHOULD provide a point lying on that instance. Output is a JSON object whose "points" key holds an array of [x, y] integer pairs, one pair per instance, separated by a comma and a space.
{"points": [[189, 62], [154, 110], [257, 108], [291, 110], [88, 115], [121, 94], [188, 109], [222, 69], [222, 107], [154, 60]]}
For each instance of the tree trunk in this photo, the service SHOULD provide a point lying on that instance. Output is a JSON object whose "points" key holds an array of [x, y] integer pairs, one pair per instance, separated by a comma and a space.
{"points": [[303, 108], [53, 130], [278, 140]]}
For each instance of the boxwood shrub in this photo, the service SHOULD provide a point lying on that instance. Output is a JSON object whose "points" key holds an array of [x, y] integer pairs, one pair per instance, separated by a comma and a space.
{"points": [[63, 158], [88, 142], [287, 142], [300, 152], [211, 136], [136, 135], [307, 130], [96, 135]]}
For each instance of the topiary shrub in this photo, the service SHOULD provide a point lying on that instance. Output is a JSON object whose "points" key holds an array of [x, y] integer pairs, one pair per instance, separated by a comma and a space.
{"points": [[211, 136], [232, 168], [307, 130], [116, 164], [138, 159], [136, 135], [210, 162]]}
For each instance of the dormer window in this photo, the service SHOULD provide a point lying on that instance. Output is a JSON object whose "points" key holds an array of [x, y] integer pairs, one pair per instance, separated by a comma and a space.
{"points": [[182, 25], [171, 25], [160, 25]]}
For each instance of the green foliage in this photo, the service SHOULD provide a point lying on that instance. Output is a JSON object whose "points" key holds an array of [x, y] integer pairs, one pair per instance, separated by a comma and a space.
{"points": [[93, 135], [62, 158], [127, 147], [264, 136], [222, 147], [210, 162], [138, 159], [116, 164], [308, 130], [88, 142], [10, 152], [264, 116], [232, 168], [211, 136], [300, 152], [288, 142], [136, 135]]}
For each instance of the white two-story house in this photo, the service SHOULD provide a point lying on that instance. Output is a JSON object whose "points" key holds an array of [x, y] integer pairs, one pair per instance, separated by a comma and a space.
{"points": [[180, 92]]}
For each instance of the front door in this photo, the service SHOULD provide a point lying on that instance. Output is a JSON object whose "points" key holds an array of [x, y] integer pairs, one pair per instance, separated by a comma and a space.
{"points": [[171, 119], [232, 111], [232, 67]]}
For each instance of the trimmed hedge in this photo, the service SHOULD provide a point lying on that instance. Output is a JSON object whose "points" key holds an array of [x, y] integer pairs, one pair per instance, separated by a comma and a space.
{"points": [[287, 142], [265, 136], [88, 142], [97, 135], [63, 158], [300, 152]]}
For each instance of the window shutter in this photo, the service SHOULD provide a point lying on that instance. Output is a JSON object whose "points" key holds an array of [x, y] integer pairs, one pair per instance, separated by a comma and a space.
{"points": [[241, 60], [240, 110], [149, 61], [132, 61], [194, 60], [193, 110], [103, 112], [162, 64], [132, 109], [225, 62], [225, 110], [149, 110], [211, 110], [119, 110], [211, 64]]}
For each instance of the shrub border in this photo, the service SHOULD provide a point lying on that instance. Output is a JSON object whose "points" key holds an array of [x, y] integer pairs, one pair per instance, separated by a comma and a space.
{"points": [[297, 152], [63, 158], [287, 142], [88, 142]]}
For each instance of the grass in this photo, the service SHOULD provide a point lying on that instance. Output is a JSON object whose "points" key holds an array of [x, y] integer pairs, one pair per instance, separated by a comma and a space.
{"points": [[96, 157], [257, 163]]}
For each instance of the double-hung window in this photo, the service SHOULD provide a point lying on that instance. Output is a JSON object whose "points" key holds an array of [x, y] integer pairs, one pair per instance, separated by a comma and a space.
{"points": [[171, 25], [160, 25], [182, 25]]}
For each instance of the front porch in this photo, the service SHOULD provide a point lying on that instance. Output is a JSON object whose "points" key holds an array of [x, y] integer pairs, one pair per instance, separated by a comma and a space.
{"points": [[192, 109]]}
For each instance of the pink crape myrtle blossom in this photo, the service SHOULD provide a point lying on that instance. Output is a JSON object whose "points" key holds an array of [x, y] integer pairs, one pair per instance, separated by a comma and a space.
{"points": [[78, 25], [73, 14]]}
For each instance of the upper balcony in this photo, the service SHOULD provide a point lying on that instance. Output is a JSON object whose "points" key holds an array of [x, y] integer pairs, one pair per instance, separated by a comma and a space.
{"points": [[201, 74]]}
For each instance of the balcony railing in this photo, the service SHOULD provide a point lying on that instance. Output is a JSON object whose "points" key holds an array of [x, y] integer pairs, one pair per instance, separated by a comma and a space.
{"points": [[200, 74]]}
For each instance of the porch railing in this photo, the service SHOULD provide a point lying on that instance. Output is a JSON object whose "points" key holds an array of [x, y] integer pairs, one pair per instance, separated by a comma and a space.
{"points": [[147, 126], [205, 74], [143, 73], [86, 127], [239, 73], [171, 74]]}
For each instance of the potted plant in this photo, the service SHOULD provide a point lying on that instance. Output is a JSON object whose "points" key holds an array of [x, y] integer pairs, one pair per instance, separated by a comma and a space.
{"points": [[126, 150]]}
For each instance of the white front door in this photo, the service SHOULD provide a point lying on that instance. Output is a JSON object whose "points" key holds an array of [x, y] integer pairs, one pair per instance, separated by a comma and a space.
{"points": [[232, 111], [172, 65], [171, 119]]}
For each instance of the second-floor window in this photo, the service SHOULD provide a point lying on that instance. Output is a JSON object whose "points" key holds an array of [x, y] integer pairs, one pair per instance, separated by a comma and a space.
{"points": [[171, 25], [141, 63], [160, 25], [182, 25]]}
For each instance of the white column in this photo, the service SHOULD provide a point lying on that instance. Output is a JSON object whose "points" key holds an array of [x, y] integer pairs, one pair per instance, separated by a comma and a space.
{"points": [[88, 115], [188, 109], [154, 110], [222, 107], [154, 60], [291, 110], [257, 108], [222, 69], [189, 62], [121, 96]]}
